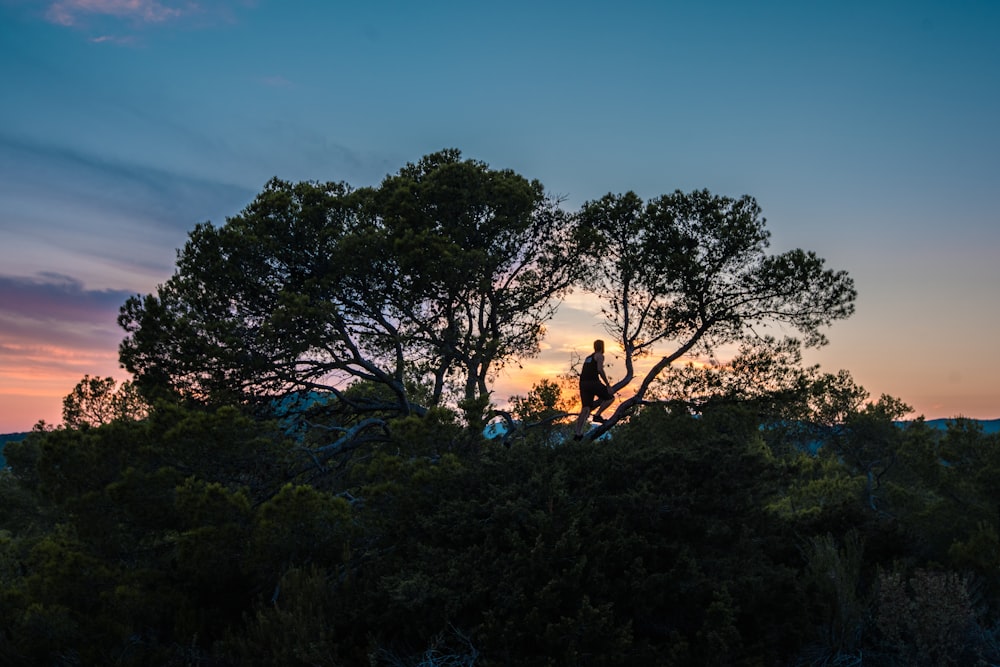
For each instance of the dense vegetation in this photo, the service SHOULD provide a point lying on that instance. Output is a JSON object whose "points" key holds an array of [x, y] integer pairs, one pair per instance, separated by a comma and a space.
{"points": [[299, 473], [197, 537]]}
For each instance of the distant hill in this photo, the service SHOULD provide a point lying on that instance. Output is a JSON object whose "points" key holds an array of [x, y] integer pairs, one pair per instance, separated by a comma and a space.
{"points": [[4, 439], [989, 425]]}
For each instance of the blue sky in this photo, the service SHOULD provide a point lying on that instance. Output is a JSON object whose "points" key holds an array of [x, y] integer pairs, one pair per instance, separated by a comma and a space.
{"points": [[867, 131]]}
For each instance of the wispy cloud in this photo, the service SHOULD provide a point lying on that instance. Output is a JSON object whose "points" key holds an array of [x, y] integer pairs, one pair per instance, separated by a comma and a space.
{"points": [[103, 210], [50, 310], [72, 12], [51, 289], [125, 40], [119, 21], [276, 81]]}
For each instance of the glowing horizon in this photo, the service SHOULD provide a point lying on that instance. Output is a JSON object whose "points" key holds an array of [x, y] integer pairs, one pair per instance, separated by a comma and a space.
{"points": [[34, 390]]}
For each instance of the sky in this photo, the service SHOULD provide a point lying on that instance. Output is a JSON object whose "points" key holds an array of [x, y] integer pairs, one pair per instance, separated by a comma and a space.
{"points": [[867, 131]]}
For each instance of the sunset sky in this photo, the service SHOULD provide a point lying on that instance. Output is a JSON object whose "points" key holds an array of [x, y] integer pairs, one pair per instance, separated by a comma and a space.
{"points": [[869, 132]]}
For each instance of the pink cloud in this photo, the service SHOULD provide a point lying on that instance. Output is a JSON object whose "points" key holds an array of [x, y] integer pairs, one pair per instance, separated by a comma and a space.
{"points": [[69, 12], [119, 22], [49, 297], [52, 321]]}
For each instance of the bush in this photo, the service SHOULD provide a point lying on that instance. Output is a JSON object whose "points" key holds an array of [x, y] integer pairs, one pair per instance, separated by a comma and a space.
{"points": [[927, 619]]}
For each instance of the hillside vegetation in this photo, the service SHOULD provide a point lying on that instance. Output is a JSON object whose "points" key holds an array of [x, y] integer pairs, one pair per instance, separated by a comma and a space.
{"points": [[199, 538]]}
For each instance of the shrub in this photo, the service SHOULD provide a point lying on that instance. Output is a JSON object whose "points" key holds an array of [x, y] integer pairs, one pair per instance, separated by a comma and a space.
{"points": [[926, 619]]}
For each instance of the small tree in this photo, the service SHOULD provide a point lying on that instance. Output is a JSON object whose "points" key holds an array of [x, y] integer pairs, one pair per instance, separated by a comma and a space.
{"points": [[95, 401], [544, 401]]}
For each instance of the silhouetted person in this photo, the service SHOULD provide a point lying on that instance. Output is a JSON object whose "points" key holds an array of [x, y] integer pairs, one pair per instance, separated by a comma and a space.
{"points": [[595, 390]]}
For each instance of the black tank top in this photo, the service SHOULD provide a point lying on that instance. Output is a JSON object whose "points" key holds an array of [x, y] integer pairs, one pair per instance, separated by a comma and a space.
{"points": [[589, 370]]}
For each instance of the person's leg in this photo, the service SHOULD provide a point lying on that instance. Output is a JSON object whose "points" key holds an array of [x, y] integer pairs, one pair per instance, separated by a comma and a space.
{"points": [[587, 401], [581, 421], [606, 399], [605, 404]]}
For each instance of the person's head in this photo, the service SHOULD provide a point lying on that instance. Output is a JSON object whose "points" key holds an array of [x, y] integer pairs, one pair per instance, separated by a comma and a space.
{"points": [[599, 346]]}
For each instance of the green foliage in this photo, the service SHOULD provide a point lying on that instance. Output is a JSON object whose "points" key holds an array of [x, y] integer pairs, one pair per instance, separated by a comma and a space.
{"points": [[215, 525], [296, 627], [684, 540], [581, 553], [943, 492], [300, 525], [148, 541], [834, 578], [436, 432]]}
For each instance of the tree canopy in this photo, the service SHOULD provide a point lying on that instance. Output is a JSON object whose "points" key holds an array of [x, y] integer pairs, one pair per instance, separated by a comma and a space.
{"points": [[95, 401], [437, 278], [690, 272]]}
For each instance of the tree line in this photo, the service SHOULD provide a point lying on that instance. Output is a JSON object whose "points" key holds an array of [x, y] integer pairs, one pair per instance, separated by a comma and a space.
{"points": [[445, 274]]}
